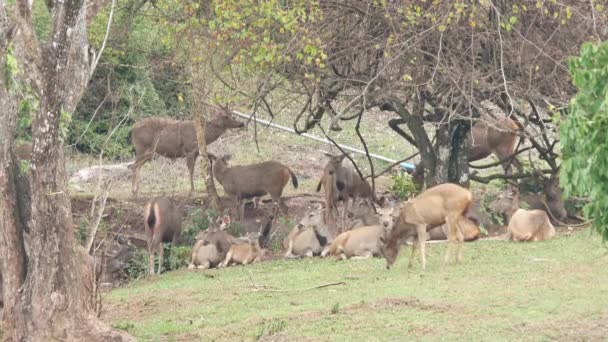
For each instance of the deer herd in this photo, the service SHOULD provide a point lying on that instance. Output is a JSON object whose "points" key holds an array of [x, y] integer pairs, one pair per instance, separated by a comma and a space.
{"points": [[366, 226]]}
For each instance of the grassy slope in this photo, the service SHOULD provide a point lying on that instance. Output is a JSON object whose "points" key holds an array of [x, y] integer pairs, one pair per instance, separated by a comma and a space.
{"points": [[503, 291]]}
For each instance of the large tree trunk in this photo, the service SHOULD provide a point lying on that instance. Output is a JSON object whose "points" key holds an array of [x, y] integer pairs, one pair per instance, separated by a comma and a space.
{"points": [[46, 289]]}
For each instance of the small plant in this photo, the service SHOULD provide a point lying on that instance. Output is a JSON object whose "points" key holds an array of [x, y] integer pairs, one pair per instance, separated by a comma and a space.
{"points": [[236, 229], [200, 222], [137, 266], [178, 257], [123, 326], [269, 328], [402, 185], [335, 309]]}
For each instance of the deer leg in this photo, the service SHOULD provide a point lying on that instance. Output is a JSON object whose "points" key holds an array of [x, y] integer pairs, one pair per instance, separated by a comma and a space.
{"points": [[289, 249], [190, 161], [140, 160], [452, 235], [460, 237], [161, 252], [410, 264], [204, 265], [227, 259], [421, 232], [150, 259], [365, 255]]}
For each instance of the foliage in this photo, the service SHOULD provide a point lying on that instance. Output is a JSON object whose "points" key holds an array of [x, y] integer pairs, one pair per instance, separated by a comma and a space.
{"points": [[123, 326], [584, 133], [137, 265], [176, 257], [402, 186], [199, 222]]}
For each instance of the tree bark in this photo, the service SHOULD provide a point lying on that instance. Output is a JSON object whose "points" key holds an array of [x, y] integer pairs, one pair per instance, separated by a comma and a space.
{"points": [[44, 284], [200, 114]]}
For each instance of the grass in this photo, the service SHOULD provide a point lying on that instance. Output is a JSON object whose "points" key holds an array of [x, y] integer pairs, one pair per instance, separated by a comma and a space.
{"points": [[502, 291]]}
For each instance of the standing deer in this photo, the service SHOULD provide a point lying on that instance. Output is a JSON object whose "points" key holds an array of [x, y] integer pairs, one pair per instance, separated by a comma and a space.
{"points": [[256, 180], [442, 204], [340, 183], [499, 139], [174, 139], [163, 223]]}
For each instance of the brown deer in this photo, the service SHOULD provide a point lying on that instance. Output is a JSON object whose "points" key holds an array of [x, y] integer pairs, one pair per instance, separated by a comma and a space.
{"points": [[359, 243], [550, 200], [212, 245], [249, 252], [499, 139], [530, 225], [163, 223], [248, 181], [308, 237], [470, 230], [441, 204], [174, 139], [340, 183]]}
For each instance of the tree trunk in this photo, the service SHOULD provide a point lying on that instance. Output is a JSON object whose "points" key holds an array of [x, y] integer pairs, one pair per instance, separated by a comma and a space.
{"points": [[200, 114], [43, 271]]}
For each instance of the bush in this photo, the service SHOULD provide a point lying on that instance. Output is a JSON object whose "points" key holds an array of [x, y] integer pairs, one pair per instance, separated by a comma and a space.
{"points": [[199, 222], [403, 186]]}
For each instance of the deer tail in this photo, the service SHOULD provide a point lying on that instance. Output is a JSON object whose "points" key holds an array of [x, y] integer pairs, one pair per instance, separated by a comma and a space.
{"points": [[151, 219], [294, 179]]}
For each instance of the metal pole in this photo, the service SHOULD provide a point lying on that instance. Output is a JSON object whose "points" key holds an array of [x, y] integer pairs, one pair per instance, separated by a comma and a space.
{"points": [[313, 137]]}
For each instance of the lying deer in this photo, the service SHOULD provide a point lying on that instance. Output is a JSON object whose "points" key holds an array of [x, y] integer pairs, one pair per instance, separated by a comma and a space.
{"points": [[470, 229], [307, 238], [359, 243], [441, 204], [251, 251], [366, 216], [245, 182], [212, 245], [174, 139], [530, 225], [163, 223]]}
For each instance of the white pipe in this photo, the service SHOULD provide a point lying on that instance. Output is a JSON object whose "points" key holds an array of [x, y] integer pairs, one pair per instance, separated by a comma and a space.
{"points": [[314, 137]]}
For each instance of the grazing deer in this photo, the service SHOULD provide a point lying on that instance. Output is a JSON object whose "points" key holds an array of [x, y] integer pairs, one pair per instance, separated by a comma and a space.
{"points": [[307, 238], [174, 139], [441, 204], [340, 183], [530, 225], [245, 182], [499, 139], [163, 223]]}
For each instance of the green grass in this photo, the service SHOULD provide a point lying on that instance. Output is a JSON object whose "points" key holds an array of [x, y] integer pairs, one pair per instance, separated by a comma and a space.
{"points": [[502, 291]]}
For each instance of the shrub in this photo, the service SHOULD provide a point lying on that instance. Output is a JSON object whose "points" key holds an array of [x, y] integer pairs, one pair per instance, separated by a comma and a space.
{"points": [[403, 185]]}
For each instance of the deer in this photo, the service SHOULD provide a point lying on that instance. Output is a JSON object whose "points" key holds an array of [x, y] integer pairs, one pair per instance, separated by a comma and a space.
{"points": [[340, 183], [365, 215], [499, 139], [163, 223], [362, 242], [530, 225], [246, 253], [174, 139], [307, 238], [212, 245], [470, 230], [255, 180], [438, 205], [550, 200]]}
